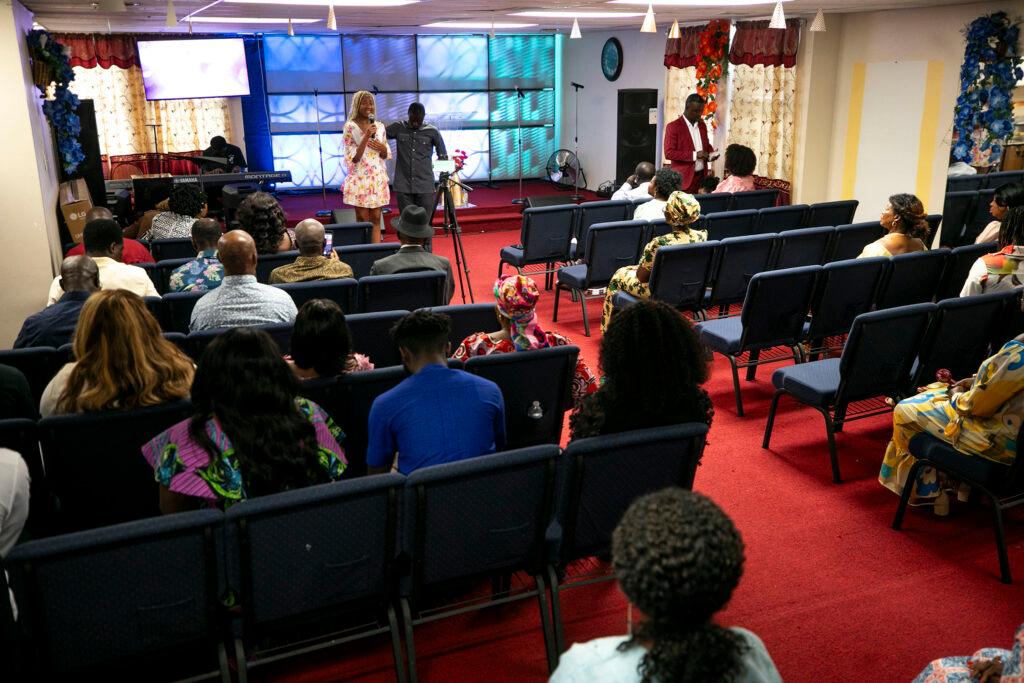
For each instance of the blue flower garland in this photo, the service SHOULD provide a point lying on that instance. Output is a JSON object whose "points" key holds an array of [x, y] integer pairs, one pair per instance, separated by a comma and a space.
{"points": [[49, 59], [983, 118]]}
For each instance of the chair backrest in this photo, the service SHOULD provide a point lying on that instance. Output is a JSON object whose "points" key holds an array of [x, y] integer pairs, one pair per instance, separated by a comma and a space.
{"points": [[966, 183], [177, 310], [164, 270], [592, 213], [19, 435], [956, 211], [310, 551], [39, 364], [610, 246], [601, 477], [934, 220], [754, 199], [845, 290], [151, 272], [537, 388], [341, 291], [478, 517], [281, 333], [880, 352], [776, 307], [468, 319], [804, 247], [348, 234], [850, 240], [781, 218], [739, 259], [142, 594], [656, 228], [266, 263], [681, 272], [356, 394], [980, 217], [402, 291], [912, 278], [173, 248], [832, 213], [546, 232], [958, 266], [727, 224], [1010, 322], [994, 181], [371, 336], [715, 202], [362, 257]]}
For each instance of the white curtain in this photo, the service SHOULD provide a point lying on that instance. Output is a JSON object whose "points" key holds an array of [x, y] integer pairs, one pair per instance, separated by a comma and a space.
{"points": [[761, 116]]}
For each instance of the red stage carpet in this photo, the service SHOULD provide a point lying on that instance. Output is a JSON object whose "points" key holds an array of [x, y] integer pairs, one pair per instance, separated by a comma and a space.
{"points": [[493, 209], [833, 591]]}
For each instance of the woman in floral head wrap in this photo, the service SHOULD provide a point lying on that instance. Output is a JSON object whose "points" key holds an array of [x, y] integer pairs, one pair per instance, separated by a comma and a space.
{"points": [[681, 211], [516, 301]]}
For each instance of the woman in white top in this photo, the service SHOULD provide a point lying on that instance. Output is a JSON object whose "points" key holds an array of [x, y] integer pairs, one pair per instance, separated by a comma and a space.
{"points": [[678, 558], [662, 185], [1003, 270], [1004, 199], [186, 203]]}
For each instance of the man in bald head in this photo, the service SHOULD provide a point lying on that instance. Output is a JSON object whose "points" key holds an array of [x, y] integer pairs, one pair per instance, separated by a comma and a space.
{"points": [[312, 263], [55, 325], [636, 185], [240, 301], [134, 251]]}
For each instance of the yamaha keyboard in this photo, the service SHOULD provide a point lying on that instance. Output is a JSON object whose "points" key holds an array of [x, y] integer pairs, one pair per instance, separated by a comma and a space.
{"points": [[208, 179]]}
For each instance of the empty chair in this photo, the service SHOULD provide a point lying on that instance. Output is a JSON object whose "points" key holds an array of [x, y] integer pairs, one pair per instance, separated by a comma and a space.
{"points": [[39, 364], [715, 202], [341, 291], [356, 392], [109, 603], [362, 257], [402, 291], [832, 213], [281, 333], [912, 278], [781, 218], [164, 270], [544, 238], [804, 247], [730, 224], [266, 263], [177, 310], [310, 557], [958, 266], [981, 216], [173, 248], [739, 259], [877, 361], [956, 211], [348, 234], [592, 213], [966, 183], [537, 388], [469, 319], [773, 315], [371, 336], [850, 240], [755, 199], [845, 290]]}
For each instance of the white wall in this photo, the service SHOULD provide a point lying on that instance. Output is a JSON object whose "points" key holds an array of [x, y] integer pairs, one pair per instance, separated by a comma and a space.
{"points": [[642, 67]]}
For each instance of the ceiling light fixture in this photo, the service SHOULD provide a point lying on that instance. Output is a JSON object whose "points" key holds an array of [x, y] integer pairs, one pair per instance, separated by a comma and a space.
{"points": [[778, 17], [549, 14], [112, 6], [649, 26], [575, 33], [674, 33], [250, 20], [818, 25], [476, 24], [332, 21], [172, 20]]}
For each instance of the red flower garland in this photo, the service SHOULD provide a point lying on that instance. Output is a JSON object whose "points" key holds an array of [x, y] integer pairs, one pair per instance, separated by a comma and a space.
{"points": [[713, 47]]}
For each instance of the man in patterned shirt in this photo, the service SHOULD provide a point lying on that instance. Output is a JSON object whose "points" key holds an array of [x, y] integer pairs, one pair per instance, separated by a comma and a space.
{"points": [[205, 271], [311, 263]]}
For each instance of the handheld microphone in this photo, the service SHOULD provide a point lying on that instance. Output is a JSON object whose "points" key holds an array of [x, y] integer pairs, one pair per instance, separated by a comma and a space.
{"points": [[372, 119]]}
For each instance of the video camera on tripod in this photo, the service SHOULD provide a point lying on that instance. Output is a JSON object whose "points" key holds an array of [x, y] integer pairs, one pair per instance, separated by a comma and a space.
{"points": [[445, 168]]}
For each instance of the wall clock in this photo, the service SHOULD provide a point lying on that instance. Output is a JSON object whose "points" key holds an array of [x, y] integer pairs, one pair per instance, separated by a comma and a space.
{"points": [[611, 59]]}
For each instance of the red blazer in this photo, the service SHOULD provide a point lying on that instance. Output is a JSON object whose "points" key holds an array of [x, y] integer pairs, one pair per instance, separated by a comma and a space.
{"points": [[134, 252], [679, 147]]}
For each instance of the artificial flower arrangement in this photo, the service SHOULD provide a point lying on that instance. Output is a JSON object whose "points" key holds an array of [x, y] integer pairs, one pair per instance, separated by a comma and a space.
{"points": [[52, 74], [460, 159], [713, 47]]}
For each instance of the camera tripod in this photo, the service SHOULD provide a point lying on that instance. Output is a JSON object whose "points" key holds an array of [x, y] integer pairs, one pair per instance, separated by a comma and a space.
{"points": [[451, 227]]}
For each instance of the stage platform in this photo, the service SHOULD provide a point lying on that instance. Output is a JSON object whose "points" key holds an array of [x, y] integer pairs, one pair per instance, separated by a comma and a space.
{"points": [[492, 209]]}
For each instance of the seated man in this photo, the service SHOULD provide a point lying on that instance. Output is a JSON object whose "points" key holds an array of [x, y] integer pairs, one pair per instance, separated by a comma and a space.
{"points": [[104, 243], [311, 263], [204, 272], [636, 185], [134, 251], [55, 325], [414, 229], [240, 301], [437, 415]]}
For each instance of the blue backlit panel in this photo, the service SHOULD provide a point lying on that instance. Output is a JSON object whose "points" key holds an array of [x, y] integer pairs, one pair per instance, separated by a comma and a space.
{"points": [[526, 61], [298, 113], [298, 154], [394, 106], [452, 62], [456, 109], [538, 108], [303, 63], [538, 145], [474, 143], [389, 62]]}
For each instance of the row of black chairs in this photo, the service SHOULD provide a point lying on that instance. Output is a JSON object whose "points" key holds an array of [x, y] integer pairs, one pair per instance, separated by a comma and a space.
{"points": [[965, 215], [983, 181], [332, 563]]}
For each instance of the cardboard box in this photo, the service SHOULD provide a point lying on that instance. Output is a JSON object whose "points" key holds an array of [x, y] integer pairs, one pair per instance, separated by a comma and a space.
{"points": [[75, 201]]}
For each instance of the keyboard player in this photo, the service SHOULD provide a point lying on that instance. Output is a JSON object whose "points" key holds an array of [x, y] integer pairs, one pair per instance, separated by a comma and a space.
{"points": [[220, 148]]}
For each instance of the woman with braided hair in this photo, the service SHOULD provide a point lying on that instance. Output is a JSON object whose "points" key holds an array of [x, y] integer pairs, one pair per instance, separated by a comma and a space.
{"points": [[905, 223], [1003, 270], [678, 557]]}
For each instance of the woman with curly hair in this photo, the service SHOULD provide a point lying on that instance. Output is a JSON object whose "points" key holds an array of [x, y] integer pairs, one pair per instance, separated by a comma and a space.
{"points": [[740, 162], [678, 558], [906, 227], [251, 434], [122, 361], [261, 216], [653, 363], [186, 203]]}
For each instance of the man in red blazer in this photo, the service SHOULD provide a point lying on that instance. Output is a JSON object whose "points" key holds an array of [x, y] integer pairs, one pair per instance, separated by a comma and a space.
{"points": [[687, 146]]}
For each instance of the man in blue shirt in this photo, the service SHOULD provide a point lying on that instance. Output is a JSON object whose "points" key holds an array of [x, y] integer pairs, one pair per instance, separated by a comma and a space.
{"points": [[55, 325], [437, 415]]}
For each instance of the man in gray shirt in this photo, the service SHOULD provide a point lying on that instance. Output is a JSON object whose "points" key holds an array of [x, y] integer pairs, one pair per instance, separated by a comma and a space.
{"points": [[413, 228], [414, 173], [240, 301]]}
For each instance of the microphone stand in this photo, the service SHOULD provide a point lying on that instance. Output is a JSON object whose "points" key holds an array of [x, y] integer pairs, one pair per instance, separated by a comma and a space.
{"points": [[320, 148], [520, 96], [576, 196]]}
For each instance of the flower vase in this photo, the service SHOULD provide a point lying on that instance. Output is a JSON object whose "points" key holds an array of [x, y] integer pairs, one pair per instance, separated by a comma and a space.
{"points": [[458, 194]]}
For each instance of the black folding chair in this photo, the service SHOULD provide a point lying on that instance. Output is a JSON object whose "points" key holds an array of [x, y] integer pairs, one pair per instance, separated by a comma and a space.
{"points": [[832, 213], [544, 239], [912, 278], [781, 218], [341, 291]]}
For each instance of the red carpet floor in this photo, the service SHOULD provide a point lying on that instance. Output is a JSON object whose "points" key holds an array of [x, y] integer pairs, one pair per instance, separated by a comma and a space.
{"points": [[835, 593]]}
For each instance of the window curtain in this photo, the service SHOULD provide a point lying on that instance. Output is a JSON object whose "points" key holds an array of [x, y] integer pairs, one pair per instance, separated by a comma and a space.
{"points": [[761, 109], [680, 72]]}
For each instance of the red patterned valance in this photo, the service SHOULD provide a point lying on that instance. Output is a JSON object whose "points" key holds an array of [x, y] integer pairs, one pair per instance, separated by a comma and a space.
{"points": [[682, 52], [89, 50], [755, 43]]}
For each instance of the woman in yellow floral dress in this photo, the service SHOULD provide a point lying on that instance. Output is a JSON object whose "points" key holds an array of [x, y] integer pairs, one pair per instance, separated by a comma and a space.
{"points": [[681, 211], [366, 148], [980, 417]]}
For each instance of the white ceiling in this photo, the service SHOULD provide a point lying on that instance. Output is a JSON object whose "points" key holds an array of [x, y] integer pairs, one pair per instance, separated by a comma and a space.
{"points": [[150, 15]]}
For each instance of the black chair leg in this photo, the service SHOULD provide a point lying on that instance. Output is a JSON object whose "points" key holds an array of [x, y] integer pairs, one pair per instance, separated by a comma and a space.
{"points": [[583, 305], [501, 267], [222, 662], [997, 520], [558, 294], [840, 418], [556, 612], [545, 622], [752, 368], [770, 424], [908, 489], [410, 645], [736, 385], [240, 664], [396, 643], [830, 432]]}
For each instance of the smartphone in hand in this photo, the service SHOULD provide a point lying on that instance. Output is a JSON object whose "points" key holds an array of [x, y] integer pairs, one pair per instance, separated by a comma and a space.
{"points": [[328, 243]]}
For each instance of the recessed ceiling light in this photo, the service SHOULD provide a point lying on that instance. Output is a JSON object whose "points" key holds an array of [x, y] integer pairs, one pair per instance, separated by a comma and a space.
{"points": [[250, 20], [325, 3], [569, 14], [694, 3], [476, 24]]}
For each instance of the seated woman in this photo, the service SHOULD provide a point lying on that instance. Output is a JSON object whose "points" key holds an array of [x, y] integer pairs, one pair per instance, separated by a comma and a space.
{"points": [[678, 558], [251, 435], [654, 365], [903, 220], [987, 665], [186, 203], [122, 361], [261, 216], [662, 185], [1004, 269], [322, 344], [516, 297], [681, 211], [740, 163], [1005, 198], [979, 416]]}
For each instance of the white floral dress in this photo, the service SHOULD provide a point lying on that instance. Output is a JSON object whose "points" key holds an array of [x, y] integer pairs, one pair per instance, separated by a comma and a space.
{"points": [[366, 184]]}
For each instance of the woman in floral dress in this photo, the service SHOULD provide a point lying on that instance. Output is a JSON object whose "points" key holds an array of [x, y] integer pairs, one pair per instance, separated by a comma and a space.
{"points": [[366, 149]]}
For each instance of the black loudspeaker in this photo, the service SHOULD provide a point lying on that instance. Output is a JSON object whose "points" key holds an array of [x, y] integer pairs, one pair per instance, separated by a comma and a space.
{"points": [[637, 137], [91, 169], [548, 200]]}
